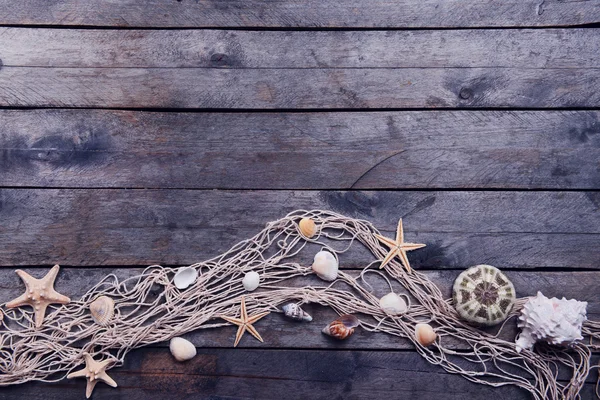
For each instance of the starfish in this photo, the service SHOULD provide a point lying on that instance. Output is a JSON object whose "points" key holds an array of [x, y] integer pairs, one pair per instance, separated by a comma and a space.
{"points": [[39, 294], [245, 323], [94, 371], [398, 247]]}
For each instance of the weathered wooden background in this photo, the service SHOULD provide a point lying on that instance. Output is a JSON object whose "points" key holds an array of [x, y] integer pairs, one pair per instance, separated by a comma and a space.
{"points": [[164, 131]]}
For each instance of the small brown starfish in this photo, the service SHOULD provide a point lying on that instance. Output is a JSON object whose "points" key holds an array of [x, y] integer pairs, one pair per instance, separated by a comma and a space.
{"points": [[39, 294], [398, 247], [94, 371], [245, 323]]}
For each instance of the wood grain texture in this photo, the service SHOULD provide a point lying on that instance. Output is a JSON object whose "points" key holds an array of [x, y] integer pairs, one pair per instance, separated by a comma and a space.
{"points": [[378, 150], [280, 332], [301, 13], [92, 48], [150, 374], [142, 227], [217, 88]]}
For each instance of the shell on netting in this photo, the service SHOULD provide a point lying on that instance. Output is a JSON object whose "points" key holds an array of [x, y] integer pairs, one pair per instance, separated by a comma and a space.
{"points": [[182, 349], [325, 266], [293, 311], [102, 310], [308, 227], [184, 277], [552, 320], [392, 304], [483, 295], [251, 281], [425, 334], [342, 327]]}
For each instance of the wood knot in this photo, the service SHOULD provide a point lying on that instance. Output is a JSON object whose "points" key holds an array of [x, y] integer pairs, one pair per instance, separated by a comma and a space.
{"points": [[465, 93], [219, 59]]}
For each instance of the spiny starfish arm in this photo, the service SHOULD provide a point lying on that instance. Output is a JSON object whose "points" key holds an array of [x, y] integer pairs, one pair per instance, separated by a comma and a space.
{"points": [[78, 374], [244, 314], [25, 277], [399, 232], [40, 312], [253, 332], [411, 246], [404, 259], [239, 334], [388, 242], [51, 275], [388, 258], [256, 317], [22, 300], [235, 321], [55, 297], [90, 388], [103, 376]]}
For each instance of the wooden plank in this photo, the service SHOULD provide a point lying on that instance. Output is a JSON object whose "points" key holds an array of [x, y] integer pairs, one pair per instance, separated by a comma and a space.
{"points": [[279, 332], [343, 88], [377, 150], [274, 374], [90, 48], [302, 13], [142, 227]]}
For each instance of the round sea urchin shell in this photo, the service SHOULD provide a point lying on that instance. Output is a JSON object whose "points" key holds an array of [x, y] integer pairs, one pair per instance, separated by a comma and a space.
{"points": [[483, 295]]}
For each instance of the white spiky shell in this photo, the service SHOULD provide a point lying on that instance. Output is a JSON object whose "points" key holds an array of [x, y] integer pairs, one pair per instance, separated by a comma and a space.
{"points": [[555, 321], [483, 295]]}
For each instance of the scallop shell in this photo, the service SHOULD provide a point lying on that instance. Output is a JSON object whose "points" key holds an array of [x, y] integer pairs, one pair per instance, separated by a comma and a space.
{"points": [[325, 266], [182, 349], [342, 327], [483, 295], [307, 227], [294, 311], [251, 280], [554, 321], [102, 310], [425, 334], [185, 277], [392, 304]]}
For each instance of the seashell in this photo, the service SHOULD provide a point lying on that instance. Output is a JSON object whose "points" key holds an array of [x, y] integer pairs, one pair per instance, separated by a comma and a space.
{"points": [[102, 310], [185, 277], [308, 227], [251, 280], [392, 304], [182, 349], [342, 327], [424, 334], [325, 266], [554, 321], [483, 295], [294, 311]]}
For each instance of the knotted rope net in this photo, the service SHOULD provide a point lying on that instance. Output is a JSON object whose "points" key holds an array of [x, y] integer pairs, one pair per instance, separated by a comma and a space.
{"points": [[149, 309]]}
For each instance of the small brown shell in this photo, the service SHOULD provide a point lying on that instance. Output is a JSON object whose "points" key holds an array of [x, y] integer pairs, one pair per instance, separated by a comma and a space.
{"points": [[102, 310], [425, 334], [308, 227], [342, 327]]}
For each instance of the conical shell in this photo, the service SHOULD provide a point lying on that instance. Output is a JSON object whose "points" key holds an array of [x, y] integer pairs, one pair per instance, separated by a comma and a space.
{"points": [[392, 304], [424, 334], [342, 327], [251, 281], [182, 349], [308, 227], [325, 266], [185, 277], [102, 310], [294, 311]]}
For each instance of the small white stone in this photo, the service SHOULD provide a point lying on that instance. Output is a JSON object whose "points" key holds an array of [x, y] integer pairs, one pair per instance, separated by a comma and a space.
{"points": [[251, 281], [182, 349]]}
